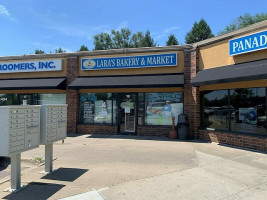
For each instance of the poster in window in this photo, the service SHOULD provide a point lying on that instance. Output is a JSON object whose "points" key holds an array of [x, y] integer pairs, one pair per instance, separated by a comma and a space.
{"points": [[103, 111], [88, 111], [248, 115], [161, 107]]}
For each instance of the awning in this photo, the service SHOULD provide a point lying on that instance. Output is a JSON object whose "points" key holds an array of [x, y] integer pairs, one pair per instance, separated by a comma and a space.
{"points": [[42, 83], [128, 81], [250, 71]]}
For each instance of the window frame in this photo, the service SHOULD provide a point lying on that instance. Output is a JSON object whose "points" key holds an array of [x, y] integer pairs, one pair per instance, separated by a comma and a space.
{"points": [[229, 114], [101, 124], [144, 120]]}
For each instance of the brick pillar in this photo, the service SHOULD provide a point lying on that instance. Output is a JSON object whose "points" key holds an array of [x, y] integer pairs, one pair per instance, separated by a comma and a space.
{"points": [[191, 94], [72, 95]]}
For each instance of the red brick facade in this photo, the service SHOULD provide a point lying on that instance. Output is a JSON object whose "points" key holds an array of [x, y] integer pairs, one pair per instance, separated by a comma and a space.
{"points": [[72, 95], [97, 129], [191, 109], [241, 140], [153, 130], [191, 94]]}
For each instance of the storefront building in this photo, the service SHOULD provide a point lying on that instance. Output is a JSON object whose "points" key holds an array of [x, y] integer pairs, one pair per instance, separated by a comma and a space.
{"points": [[232, 81], [124, 91], [133, 91], [37, 81], [222, 90]]}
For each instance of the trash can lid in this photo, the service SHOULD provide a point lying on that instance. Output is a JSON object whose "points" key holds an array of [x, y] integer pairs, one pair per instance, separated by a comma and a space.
{"points": [[182, 119]]}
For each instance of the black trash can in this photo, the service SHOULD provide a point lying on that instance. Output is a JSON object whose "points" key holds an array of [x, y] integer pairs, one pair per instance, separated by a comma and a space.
{"points": [[182, 127]]}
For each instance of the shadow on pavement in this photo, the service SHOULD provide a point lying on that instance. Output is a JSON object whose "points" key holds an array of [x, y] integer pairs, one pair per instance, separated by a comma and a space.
{"points": [[74, 135], [134, 137], [241, 148], [36, 190], [4, 163], [66, 174]]}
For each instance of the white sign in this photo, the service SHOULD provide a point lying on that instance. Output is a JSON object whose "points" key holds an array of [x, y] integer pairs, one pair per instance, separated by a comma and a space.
{"points": [[127, 109], [248, 115], [24, 102], [31, 66]]}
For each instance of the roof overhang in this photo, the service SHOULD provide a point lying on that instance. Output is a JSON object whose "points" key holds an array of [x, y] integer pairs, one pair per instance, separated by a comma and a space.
{"points": [[41, 83], [176, 80], [249, 71]]}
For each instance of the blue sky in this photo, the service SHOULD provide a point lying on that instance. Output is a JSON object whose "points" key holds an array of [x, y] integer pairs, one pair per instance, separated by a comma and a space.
{"points": [[27, 25]]}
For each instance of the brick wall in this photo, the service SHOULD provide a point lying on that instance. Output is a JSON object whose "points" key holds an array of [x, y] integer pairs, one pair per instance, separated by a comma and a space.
{"points": [[72, 95], [97, 129], [153, 130], [246, 141], [191, 94], [112, 129]]}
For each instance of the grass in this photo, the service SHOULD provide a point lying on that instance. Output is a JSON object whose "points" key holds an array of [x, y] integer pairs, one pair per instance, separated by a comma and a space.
{"points": [[38, 159]]}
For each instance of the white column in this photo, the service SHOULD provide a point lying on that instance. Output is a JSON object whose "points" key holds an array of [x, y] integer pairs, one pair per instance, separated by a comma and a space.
{"points": [[15, 171], [49, 158]]}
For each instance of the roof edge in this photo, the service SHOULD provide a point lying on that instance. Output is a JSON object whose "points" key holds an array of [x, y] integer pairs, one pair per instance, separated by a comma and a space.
{"points": [[100, 52], [253, 27]]}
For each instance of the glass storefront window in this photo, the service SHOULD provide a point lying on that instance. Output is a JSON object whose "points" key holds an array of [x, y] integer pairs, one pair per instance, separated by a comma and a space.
{"points": [[52, 99], [248, 110], [215, 110], [238, 110], [141, 107], [32, 99], [97, 108], [8, 99], [161, 107], [114, 112], [153, 108]]}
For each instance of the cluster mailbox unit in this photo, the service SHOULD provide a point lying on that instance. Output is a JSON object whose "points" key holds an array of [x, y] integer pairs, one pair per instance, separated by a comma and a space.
{"points": [[26, 127], [53, 123], [20, 131], [53, 128]]}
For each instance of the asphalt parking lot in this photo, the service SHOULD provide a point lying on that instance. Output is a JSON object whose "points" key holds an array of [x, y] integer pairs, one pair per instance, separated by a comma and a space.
{"points": [[129, 167]]}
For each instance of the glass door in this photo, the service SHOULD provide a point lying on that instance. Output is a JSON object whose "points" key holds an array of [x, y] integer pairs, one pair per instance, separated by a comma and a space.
{"points": [[127, 113], [31, 99]]}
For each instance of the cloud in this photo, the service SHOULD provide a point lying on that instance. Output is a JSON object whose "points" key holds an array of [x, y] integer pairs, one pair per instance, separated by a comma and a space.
{"points": [[54, 22], [50, 47], [165, 33], [51, 22], [5, 13], [105, 29], [171, 29], [66, 29]]}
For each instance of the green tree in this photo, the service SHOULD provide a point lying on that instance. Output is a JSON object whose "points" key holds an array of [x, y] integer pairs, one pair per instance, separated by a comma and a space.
{"points": [[39, 51], [172, 40], [147, 41], [122, 39], [102, 41], [136, 39], [60, 50], [243, 21], [200, 31], [83, 48]]}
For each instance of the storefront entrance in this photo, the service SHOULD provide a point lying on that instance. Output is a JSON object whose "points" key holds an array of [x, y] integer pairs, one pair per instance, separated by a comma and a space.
{"points": [[31, 99], [127, 113]]}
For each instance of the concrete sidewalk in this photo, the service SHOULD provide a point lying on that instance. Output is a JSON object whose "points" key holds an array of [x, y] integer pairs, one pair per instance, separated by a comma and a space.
{"points": [[127, 167]]}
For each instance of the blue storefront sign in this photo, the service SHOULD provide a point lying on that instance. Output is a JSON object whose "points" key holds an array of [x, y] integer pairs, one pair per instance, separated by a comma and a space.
{"points": [[253, 42], [144, 61], [31, 66]]}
